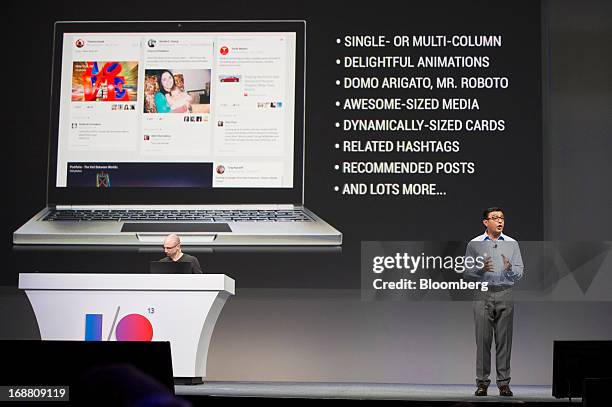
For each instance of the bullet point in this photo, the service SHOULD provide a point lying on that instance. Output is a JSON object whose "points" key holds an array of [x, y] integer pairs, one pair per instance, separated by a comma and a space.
{"points": [[338, 62], [336, 188], [337, 103], [337, 124], [336, 167], [338, 82], [338, 40], [337, 145]]}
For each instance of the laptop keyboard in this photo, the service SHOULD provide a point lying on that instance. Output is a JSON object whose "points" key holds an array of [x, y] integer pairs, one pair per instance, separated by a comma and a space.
{"points": [[196, 215]]}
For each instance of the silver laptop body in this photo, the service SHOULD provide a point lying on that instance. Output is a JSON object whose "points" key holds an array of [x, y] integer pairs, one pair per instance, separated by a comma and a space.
{"points": [[195, 128]]}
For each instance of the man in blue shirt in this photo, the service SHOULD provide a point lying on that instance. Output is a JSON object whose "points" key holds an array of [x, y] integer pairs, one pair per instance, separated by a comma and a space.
{"points": [[494, 308]]}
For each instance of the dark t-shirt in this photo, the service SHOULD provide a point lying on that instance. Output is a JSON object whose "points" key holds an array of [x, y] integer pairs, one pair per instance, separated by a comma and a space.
{"points": [[185, 258]]}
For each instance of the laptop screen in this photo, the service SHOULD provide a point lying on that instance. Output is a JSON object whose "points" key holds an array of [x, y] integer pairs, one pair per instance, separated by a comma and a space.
{"points": [[177, 109], [194, 107]]}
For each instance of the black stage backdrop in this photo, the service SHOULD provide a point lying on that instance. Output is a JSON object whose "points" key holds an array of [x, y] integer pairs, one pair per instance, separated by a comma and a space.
{"points": [[511, 166]]}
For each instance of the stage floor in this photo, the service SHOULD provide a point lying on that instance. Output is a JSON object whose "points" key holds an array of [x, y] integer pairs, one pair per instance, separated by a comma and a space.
{"points": [[365, 391]]}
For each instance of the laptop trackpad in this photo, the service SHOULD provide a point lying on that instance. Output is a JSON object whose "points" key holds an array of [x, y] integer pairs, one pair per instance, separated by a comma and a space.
{"points": [[176, 227]]}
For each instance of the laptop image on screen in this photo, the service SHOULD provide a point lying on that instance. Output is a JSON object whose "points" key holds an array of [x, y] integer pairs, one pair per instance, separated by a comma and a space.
{"points": [[195, 128]]}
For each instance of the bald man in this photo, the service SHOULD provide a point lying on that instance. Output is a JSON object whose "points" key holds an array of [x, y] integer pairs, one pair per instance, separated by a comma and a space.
{"points": [[172, 248]]}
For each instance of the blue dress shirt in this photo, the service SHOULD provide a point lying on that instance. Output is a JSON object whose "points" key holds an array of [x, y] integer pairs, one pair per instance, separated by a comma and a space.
{"points": [[485, 247]]}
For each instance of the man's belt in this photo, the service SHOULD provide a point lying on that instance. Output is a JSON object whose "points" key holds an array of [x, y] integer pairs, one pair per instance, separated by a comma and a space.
{"points": [[498, 288]]}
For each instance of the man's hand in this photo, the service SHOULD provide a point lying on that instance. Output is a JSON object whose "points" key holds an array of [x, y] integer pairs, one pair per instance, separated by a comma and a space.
{"points": [[488, 264], [507, 264]]}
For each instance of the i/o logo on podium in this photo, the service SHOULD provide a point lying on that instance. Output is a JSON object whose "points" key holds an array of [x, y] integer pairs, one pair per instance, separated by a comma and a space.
{"points": [[132, 327]]}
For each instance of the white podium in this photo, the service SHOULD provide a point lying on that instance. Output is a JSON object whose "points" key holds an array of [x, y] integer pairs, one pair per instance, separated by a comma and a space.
{"points": [[179, 308]]}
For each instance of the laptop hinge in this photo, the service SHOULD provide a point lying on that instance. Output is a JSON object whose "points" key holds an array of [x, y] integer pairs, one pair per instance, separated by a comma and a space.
{"points": [[102, 207]]}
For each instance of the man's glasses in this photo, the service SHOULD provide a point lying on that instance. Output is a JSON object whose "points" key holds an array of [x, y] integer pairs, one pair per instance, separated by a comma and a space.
{"points": [[496, 218], [170, 248]]}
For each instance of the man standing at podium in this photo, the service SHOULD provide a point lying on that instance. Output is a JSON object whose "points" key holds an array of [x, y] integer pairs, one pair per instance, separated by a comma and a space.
{"points": [[172, 248]]}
